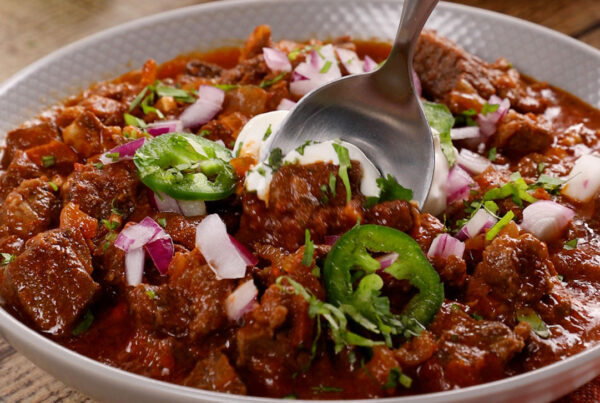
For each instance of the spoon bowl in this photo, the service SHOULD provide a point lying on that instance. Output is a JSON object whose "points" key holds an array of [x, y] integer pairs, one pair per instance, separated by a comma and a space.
{"points": [[379, 112]]}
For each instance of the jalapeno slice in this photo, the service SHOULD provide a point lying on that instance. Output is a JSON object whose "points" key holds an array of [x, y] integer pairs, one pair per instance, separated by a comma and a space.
{"points": [[350, 262], [186, 167]]}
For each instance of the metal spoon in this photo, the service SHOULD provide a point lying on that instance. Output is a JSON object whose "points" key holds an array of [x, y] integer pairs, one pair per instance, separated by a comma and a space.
{"points": [[378, 112]]}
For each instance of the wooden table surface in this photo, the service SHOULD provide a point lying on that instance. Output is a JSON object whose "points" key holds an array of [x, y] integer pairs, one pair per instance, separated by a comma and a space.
{"points": [[30, 29]]}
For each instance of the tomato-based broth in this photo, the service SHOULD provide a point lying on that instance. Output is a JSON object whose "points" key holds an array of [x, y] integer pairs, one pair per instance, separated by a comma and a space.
{"points": [[146, 224]]}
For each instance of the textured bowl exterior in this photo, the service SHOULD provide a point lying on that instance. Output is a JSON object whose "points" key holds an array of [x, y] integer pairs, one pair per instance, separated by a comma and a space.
{"points": [[534, 50]]}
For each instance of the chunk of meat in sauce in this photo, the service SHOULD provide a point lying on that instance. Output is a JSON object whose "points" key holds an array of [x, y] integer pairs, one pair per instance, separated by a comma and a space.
{"points": [[22, 139], [19, 169], [216, 373], [256, 41], [107, 110], [29, 209], [149, 354], [51, 281], [519, 134], [87, 135]]}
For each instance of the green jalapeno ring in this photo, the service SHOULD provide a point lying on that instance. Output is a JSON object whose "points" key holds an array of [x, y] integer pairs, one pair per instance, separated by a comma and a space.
{"points": [[186, 167], [364, 304]]}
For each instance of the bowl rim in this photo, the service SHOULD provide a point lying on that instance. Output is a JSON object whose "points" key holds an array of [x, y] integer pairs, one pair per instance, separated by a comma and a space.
{"points": [[11, 325]]}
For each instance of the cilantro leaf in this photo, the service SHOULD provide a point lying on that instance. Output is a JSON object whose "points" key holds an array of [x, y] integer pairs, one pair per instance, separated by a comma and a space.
{"points": [[492, 154], [489, 108], [85, 324], [537, 324], [572, 244], [275, 158], [301, 148], [440, 118], [6, 258], [551, 184], [177, 93], [344, 158], [267, 133], [138, 98], [516, 188], [309, 249], [131, 120], [48, 161], [491, 234], [391, 190]]}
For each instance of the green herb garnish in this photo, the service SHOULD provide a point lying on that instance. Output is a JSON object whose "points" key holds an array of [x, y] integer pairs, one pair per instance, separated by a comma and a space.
{"points": [[134, 121], [309, 249], [275, 158], [489, 108], [227, 87], [113, 156], [572, 244], [85, 324], [6, 258], [300, 149], [541, 166], [53, 186], [110, 225], [492, 154], [323, 388], [267, 83], [491, 234], [48, 161], [267, 133], [325, 67], [440, 118], [537, 324], [344, 159], [396, 377], [516, 188]]}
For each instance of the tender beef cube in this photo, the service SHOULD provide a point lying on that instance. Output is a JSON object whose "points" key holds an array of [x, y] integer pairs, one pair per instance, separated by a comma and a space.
{"points": [[519, 134], [492, 178], [109, 111], [296, 203], [149, 354], [516, 272], [246, 100], [429, 227], [110, 266], [86, 135], [256, 41], [191, 304], [469, 351], [397, 214], [19, 169], [51, 282], [579, 263], [248, 72], [416, 350], [30, 208], [181, 229], [452, 271], [22, 139], [226, 127], [62, 155], [11, 244], [216, 373], [199, 68], [119, 91], [98, 190]]}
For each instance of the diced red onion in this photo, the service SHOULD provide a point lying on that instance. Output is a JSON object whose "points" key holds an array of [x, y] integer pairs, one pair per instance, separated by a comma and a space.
{"points": [[583, 182], [248, 257], [209, 103], [138, 235], [472, 162], [417, 83], [188, 208], [369, 64], [220, 253], [488, 123], [161, 252], [386, 261], [350, 60], [134, 266], [458, 185], [164, 127], [461, 133], [477, 224], [445, 246], [126, 151], [331, 239], [276, 60], [286, 105], [241, 300], [312, 71], [546, 219]]}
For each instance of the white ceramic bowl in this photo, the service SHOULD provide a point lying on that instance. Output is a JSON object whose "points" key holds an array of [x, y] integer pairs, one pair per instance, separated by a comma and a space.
{"points": [[536, 51]]}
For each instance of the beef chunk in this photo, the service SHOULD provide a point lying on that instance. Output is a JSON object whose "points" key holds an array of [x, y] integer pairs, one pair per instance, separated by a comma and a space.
{"points": [[51, 282], [86, 135], [29, 209], [181, 229], [216, 373], [98, 190], [256, 41], [226, 127], [19, 169], [191, 304], [519, 134], [248, 72], [199, 68], [107, 110], [62, 155], [22, 139], [397, 214], [149, 354], [247, 100]]}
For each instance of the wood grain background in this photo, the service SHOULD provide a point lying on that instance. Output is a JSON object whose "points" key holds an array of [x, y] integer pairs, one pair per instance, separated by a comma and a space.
{"points": [[30, 29]]}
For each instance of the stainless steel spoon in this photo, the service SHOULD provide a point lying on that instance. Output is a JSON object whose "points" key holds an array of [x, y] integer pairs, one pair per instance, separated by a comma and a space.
{"points": [[378, 112]]}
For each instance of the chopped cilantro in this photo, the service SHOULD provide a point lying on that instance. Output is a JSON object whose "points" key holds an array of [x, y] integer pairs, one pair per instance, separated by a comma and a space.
{"points": [[98, 165], [146, 108], [561, 278], [268, 83], [469, 112], [48, 161], [332, 184], [324, 197], [293, 55], [572, 244], [291, 396], [455, 307], [261, 170], [151, 293], [138, 99], [6, 258], [113, 156], [492, 154], [316, 272], [53, 186], [477, 316], [110, 225], [325, 67], [537, 324], [134, 121], [267, 133], [204, 133], [391, 190], [275, 158], [227, 87], [323, 388], [465, 118], [516, 188], [162, 221], [85, 324], [239, 150], [344, 158], [396, 377], [440, 118], [489, 108], [303, 146], [309, 249], [541, 166], [491, 234], [551, 184], [114, 209], [177, 93]]}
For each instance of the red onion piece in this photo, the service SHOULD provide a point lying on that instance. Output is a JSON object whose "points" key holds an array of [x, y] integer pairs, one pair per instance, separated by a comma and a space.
{"points": [[481, 221], [461, 133], [220, 253], [350, 60], [320, 68], [164, 127], [286, 105], [276, 60], [126, 151], [138, 235], [386, 261], [331, 239], [369, 64], [472, 162], [187, 208], [417, 83], [161, 252], [458, 185], [583, 182], [445, 246], [134, 266], [209, 103], [165, 203], [546, 219], [241, 300], [248, 257], [488, 123]]}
